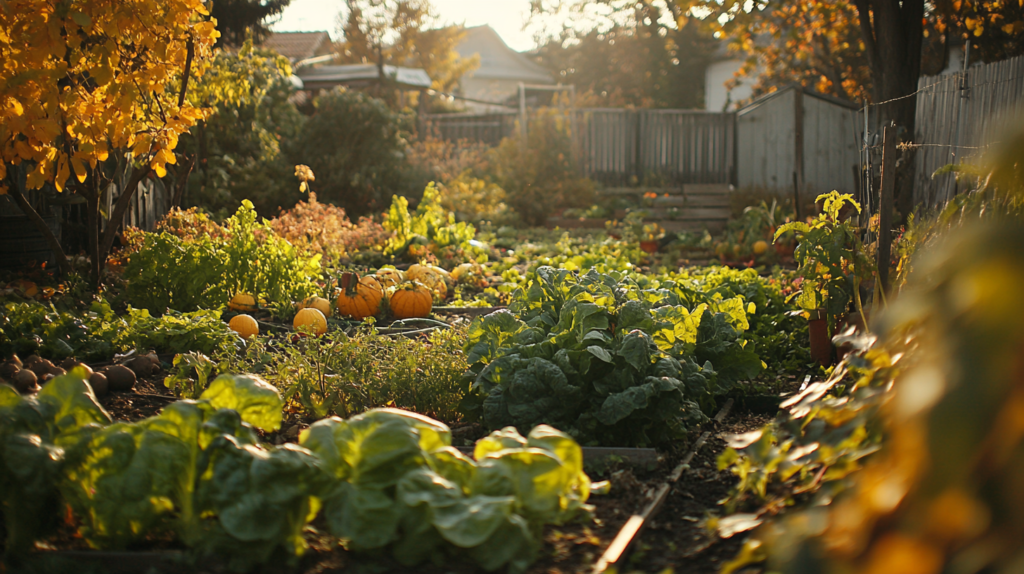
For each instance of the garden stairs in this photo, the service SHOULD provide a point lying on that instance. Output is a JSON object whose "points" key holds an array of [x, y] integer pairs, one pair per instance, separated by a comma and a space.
{"points": [[692, 207]]}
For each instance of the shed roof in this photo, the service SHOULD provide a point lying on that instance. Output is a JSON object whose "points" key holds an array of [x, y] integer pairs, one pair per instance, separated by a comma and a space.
{"points": [[329, 76], [807, 92], [497, 60], [298, 46]]}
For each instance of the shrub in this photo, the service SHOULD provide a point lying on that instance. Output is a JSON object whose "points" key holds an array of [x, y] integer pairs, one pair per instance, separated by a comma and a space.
{"points": [[324, 229], [540, 176], [356, 147]]}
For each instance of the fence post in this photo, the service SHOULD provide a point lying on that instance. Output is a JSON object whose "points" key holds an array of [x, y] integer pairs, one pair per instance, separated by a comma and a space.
{"points": [[798, 141], [885, 204]]}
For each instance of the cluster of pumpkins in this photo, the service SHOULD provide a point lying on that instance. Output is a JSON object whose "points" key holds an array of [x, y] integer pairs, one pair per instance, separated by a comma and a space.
{"points": [[409, 294]]}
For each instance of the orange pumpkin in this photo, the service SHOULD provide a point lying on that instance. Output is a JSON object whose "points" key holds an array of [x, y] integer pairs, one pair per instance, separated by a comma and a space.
{"points": [[433, 277], [318, 303], [242, 302], [244, 325], [310, 319], [411, 299], [389, 276], [359, 297]]}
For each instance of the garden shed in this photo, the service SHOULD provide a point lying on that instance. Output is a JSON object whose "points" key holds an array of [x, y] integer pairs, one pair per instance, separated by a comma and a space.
{"points": [[798, 137]]}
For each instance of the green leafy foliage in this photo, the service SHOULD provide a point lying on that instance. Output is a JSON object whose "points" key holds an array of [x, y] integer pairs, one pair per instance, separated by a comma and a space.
{"points": [[606, 358], [402, 486], [244, 144], [97, 333], [349, 374], [429, 229], [355, 145], [181, 382], [832, 259], [204, 272], [35, 434]]}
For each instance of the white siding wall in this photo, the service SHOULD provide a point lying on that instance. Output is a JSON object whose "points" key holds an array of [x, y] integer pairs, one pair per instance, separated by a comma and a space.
{"points": [[716, 95]]}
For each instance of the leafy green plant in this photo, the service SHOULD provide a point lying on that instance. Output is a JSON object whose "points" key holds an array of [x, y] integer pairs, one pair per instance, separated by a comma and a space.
{"points": [[604, 358], [429, 229], [204, 272], [426, 499], [348, 374], [37, 432], [832, 260], [181, 380], [97, 333]]}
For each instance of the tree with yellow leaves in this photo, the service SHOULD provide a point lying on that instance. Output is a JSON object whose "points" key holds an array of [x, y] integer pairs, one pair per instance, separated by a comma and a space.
{"points": [[93, 92]]}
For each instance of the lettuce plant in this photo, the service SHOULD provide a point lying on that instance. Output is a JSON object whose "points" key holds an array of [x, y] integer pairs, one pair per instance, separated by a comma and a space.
{"points": [[401, 485], [605, 359]]}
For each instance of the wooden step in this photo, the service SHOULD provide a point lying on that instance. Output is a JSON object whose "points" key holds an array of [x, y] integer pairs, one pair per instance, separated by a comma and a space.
{"points": [[705, 188], [694, 200], [690, 213], [676, 225]]}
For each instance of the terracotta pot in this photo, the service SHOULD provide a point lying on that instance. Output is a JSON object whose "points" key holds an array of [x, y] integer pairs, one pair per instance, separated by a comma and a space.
{"points": [[821, 345], [649, 246]]}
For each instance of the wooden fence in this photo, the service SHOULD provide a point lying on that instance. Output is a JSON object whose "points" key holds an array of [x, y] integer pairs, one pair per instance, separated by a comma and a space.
{"points": [[622, 146], [958, 115]]}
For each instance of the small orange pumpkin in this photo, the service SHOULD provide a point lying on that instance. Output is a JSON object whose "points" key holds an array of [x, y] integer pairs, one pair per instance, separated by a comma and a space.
{"points": [[318, 303], [359, 297], [310, 319], [411, 299], [242, 302], [244, 325]]}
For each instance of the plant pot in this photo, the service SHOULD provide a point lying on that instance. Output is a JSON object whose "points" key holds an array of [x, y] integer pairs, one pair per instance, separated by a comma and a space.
{"points": [[821, 345], [649, 246]]}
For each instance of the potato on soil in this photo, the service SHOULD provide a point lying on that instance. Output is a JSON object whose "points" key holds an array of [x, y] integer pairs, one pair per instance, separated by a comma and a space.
{"points": [[25, 381], [42, 367], [68, 367], [143, 366], [7, 370], [68, 363], [119, 378], [98, 382]]}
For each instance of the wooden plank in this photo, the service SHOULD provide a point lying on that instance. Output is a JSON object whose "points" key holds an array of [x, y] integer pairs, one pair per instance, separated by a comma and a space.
{"points": [[885, 205], [712, 225], [691, 213], [706, 188], [714, 200]]}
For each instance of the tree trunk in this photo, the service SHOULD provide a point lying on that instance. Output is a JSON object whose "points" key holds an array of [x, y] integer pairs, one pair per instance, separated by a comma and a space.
{"points": [[117, 215], [58, 252], [92, 218], [893, 34]]}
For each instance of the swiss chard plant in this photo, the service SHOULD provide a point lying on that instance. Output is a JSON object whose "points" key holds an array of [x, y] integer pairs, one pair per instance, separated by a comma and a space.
{"points": [[399, 484], [606, 359]]}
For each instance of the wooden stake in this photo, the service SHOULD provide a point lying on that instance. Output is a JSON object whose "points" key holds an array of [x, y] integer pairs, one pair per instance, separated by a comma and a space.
{"points": [[885, 205]]}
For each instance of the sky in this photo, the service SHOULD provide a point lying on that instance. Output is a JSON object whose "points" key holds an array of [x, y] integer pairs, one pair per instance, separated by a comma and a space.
{"points": [[506, 17]]}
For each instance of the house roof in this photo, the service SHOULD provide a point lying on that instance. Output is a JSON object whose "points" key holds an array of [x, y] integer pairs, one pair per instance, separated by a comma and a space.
{"points": [[327, 77], [497, 60], [297, 46]]}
